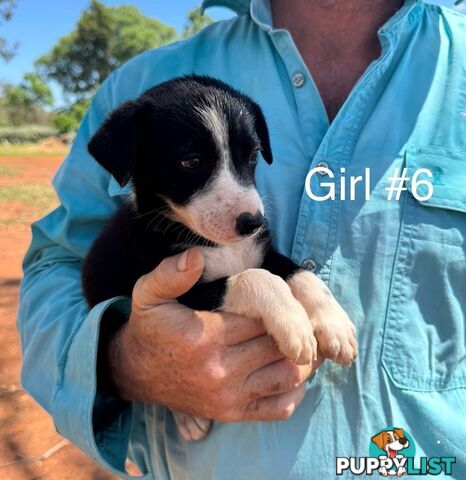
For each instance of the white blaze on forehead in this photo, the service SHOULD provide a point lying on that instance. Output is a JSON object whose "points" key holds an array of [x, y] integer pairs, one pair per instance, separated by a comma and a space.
{"points": [[213, 211], [215, 120]]}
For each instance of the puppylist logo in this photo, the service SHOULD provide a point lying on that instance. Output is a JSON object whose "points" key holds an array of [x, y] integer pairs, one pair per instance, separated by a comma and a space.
{"points": [[392, 453]]}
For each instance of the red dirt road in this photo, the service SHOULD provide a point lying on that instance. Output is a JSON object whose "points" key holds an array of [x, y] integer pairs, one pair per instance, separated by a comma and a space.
{"points": [[30, 448]]}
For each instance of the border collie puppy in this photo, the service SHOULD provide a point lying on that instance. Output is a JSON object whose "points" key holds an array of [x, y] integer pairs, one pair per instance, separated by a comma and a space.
{"points": [[190, 147]]}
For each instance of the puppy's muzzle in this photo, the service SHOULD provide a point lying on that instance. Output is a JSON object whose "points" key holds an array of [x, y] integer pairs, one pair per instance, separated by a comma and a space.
{"points": [[247, 223]]}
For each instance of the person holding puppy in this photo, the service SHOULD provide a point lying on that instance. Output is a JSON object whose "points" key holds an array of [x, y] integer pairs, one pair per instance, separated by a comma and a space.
{"points": [[343, 85]]}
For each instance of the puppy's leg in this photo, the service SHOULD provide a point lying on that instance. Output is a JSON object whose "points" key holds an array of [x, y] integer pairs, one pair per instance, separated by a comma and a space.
{"points": [[258, 293], [191, 428], [336, 334], [333, 329]]}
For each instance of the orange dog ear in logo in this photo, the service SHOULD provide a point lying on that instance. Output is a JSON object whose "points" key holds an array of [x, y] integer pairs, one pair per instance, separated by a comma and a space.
{"points": [[380, 440], [399, 432]]}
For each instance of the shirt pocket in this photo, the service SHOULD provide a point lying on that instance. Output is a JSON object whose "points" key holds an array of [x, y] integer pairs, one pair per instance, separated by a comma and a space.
{"points": [[424, 346]]}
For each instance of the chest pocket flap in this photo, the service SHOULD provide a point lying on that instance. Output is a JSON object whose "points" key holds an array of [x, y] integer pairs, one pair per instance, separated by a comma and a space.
{"points": [[425, 330], [448, 177]]}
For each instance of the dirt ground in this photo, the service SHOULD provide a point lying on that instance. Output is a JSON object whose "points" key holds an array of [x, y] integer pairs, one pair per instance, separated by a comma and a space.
{"points": [[30, 448]]}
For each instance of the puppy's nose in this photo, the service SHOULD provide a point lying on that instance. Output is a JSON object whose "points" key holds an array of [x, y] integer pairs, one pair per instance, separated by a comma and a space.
{"points": [[247, 223], [403, 441]]}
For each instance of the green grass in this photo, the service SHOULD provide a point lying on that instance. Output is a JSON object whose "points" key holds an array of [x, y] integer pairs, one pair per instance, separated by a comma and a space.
{"points": [[26, 133], [29, 150], [39, 196]]}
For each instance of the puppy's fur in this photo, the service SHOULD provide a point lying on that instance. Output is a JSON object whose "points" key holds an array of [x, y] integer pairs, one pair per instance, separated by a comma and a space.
{"points": [[190, 147]]}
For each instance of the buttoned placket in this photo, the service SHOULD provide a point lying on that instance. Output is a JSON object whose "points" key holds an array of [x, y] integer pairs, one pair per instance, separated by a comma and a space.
{"points": [[316, 231]]}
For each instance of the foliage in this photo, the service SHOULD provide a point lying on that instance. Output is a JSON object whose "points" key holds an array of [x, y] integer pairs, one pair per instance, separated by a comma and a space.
{"points": [[24, 103], [68, 120], [25, 134], [6, 12], [104, 38], [196, 22], [32, 91]]}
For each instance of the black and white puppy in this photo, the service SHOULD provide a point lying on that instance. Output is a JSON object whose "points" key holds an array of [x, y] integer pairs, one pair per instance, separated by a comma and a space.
{"points": [[190, 148]]}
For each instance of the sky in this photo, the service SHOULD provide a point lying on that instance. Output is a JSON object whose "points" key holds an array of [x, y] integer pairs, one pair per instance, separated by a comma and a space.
{"points": [[38, 24]]}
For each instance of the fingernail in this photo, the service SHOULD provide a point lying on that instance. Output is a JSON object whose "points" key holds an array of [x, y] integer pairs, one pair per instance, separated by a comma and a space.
{"points": [[182, 264]]}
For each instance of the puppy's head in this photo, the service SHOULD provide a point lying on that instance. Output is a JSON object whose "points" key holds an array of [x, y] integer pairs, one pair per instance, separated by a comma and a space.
{"points": [[194, 143], [392, 441]]}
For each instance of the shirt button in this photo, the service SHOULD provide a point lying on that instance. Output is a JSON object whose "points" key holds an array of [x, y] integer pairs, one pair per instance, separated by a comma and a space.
{"points": [[309, 264], [298, 80], [322, 165]]}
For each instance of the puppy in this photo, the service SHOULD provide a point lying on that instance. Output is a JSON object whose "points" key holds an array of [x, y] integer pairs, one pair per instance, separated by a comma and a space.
{"points": [[190, 147], [392, 441]]}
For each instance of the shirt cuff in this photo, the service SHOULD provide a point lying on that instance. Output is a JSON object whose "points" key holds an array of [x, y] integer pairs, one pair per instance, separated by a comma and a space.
{"points": [[98, 423]]}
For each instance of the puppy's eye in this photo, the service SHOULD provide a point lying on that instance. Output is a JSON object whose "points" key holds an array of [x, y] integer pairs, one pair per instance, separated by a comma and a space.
{"points": [[254, 157], [191, 163]]}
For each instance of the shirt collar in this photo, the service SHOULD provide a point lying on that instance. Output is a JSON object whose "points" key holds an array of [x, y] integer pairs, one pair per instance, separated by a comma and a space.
{"points": [[239, 6], [261, 13]]}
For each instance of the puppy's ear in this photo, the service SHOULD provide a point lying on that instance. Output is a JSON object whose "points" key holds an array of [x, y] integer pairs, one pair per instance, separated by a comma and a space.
{"points": [[399, 432], [379, 440], [115, 144], [263, 133]]}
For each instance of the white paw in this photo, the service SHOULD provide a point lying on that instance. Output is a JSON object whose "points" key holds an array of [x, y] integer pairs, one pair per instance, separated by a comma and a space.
{"points": [[401, 471], [191, 428], [296, 340], [258, 293], [335, 333]]}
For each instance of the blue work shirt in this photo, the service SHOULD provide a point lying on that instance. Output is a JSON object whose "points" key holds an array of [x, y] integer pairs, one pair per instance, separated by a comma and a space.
{"points": [[398, 267]]}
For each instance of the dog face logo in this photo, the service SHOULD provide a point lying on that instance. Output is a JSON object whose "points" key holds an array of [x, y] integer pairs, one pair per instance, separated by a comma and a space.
{"points": [[392, 442]]}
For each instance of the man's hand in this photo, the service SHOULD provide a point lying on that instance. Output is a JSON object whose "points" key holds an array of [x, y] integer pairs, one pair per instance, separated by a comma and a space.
{"points": [[210, 364]]}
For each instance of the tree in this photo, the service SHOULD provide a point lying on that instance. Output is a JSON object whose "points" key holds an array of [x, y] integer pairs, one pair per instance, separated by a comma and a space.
{"points": [[104, 38], [196, 22], [7, 51], [25, 102], [32, 91]]}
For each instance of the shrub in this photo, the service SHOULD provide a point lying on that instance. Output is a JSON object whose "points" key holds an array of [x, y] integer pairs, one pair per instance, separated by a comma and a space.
{"points": [[68, 120], [26, 133]]}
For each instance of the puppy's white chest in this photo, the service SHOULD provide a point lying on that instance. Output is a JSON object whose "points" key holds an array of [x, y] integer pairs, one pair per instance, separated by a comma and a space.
{"points": [[225, 261]]}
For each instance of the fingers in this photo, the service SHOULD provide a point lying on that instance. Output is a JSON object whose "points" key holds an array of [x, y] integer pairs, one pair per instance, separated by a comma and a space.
{"points": [[238, 329], [279, 377], [254, 354], [172, 278], [275, 407]]}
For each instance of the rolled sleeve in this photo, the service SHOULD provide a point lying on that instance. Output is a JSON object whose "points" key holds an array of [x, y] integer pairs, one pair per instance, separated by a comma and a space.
{"points": [[98, 424], [59, 335]]}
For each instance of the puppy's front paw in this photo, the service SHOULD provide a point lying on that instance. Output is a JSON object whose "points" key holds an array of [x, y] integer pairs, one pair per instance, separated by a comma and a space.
{"points": [[260, 294], [335, 333], [191, 428], [296, 340]]}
